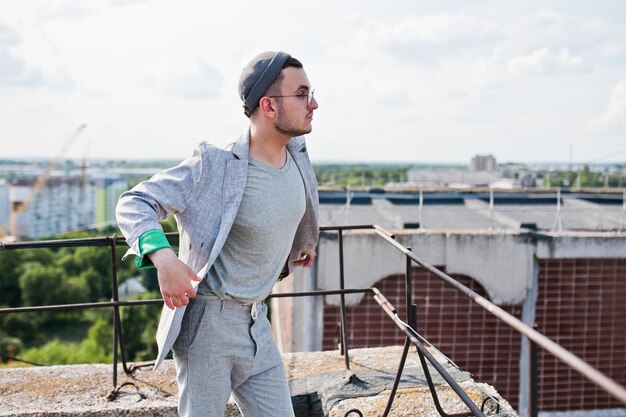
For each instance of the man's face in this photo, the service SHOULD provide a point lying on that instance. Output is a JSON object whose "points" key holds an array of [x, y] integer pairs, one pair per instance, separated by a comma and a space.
{"points": [[294, 116]]}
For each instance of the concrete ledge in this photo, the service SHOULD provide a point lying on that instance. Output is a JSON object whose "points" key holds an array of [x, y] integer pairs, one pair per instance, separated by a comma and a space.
{"points": [[319, 384], [506, 277]]}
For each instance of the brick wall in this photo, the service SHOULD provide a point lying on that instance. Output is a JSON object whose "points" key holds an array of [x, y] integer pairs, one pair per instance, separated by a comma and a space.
{"points": [[581, 305], [463, 331]]}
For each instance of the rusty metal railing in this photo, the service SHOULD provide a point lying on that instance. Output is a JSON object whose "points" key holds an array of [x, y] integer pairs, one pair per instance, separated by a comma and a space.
{"points": [[407, 326]]}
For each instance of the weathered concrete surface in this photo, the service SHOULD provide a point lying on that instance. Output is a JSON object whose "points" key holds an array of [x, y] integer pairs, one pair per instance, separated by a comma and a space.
{"points": [[319, 384], [572, 245], [413, 402], [500, 260]]}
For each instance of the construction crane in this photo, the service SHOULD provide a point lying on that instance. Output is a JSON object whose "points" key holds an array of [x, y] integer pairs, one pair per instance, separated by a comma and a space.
{"points": [[20, 207]]}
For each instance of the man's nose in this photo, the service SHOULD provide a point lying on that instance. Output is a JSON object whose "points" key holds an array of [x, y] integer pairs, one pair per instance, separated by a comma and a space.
{"points": [[314, 105]]}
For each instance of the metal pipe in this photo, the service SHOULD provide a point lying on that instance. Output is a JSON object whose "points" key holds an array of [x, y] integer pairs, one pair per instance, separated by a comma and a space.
{"points": [[431, 385], [119, 327], [422, 353], [65, 243], [342, 307], [62, 307], [381, 230], [391, 312], [421, 208], [384, 303], [408, 286], [407, 344], [491, 208], [533, 400], [320, 292], [396, 382], [101, 304], [352, 227], [116, 311], [77, 242]]}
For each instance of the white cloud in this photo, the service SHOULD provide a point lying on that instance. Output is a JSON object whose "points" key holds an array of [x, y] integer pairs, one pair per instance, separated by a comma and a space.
{"points": [[13, 71], [125, 2], [202, 81], [428, 80], [438, 29], [7, 35], [64, 12], [15, 74], [506, 64], [612, 47], [544, 61], [604, 36], [614, 118]]}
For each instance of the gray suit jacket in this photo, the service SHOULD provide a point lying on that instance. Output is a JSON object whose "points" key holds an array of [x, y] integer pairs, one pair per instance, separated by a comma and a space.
{"points": [[203, 193]]}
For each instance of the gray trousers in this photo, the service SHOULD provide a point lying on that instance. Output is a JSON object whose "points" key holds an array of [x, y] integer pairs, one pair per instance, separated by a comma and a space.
{"points": [[220, 350]]}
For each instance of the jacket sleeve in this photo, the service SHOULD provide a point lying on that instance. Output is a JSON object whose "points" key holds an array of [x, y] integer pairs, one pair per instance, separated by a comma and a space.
{"points": [[166, 193], [149, 242]]}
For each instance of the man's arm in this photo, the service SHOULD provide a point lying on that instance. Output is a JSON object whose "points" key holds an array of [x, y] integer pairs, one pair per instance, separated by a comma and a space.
{"points": [[138, 213], [168, 192], [174, 278]]}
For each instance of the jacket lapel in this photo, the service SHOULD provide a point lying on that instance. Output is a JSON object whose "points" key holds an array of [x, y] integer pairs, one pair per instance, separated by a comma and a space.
{"points": [[235, 176]]}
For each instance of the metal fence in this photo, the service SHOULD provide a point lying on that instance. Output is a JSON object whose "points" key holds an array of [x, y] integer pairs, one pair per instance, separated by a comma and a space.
{"points": [[407, 326]]}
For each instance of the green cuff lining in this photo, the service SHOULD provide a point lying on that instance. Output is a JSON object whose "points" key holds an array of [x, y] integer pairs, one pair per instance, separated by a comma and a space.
{"points": [[149, 242]]}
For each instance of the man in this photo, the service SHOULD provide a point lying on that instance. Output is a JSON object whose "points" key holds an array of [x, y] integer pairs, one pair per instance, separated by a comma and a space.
{"points": [[241, 213]]}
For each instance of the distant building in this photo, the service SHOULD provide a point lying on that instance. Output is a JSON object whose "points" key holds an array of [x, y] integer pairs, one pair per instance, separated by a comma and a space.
{"points": [[108, 191], [130, 287], [453, 178], [66, 202], [481, 173], [483, 163], [61, 205], [4, 202]]}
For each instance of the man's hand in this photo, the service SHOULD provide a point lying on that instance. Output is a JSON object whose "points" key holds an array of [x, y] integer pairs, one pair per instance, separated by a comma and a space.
{"points": [[174, 278], [306, 259]]}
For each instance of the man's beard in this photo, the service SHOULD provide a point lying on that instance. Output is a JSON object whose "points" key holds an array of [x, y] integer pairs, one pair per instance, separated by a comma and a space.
{"points": [[284, 126]]}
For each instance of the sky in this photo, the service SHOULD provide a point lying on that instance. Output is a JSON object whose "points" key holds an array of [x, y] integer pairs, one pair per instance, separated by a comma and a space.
{"points": [[396, 81]]}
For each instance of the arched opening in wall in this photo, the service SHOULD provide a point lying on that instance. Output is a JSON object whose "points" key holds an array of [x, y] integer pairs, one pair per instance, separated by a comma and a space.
{"points": [[474, 339]]}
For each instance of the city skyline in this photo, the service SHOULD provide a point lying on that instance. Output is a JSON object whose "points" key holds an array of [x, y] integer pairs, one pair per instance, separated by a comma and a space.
{"points": [[426, 82]]}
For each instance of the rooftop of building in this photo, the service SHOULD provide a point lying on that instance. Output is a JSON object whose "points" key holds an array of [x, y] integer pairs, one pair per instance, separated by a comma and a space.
{"points": [[319, 385], [476, 208]]}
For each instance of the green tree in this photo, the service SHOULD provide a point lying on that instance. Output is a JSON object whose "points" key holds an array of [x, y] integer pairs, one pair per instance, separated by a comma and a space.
{"points": [[37, 277], [52, 353], [140, 325], [48, 285], [10, 262], [98, 345], [42, 256], [96, 348], [91, 264]]}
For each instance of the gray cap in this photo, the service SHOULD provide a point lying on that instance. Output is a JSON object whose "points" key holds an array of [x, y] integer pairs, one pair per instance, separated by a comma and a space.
{"points": [[258, 75]]}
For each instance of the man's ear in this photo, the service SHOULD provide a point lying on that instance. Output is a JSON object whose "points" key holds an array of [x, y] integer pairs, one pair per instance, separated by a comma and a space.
{"points": [[267, 107]]}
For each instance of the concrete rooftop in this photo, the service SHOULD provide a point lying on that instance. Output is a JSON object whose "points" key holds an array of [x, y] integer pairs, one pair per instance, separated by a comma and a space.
{"points": [[318, 381]]}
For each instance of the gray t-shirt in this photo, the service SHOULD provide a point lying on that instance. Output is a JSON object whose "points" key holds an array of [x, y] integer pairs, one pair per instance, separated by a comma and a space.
{"points": [[260, 239]]}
